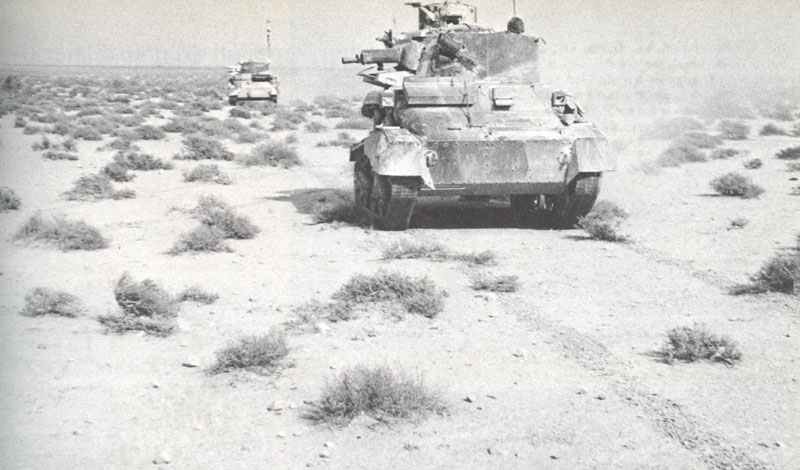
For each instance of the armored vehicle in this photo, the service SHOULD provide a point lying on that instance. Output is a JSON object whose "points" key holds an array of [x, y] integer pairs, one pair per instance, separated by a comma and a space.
{"points": [[252, 81], [462, 112]]}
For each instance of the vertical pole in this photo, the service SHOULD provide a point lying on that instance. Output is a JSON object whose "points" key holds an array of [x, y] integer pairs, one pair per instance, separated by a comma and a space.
{"points": [[269, 39], [515, 7]]}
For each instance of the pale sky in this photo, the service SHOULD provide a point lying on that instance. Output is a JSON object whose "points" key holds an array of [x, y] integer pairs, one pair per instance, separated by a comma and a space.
{"points": [[317, 32]]}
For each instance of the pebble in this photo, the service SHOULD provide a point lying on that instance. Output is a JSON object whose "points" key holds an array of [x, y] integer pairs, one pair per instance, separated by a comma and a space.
{"points": [[329, 445], [281, 435], [278, 405], [520, 353], [325, 454]]}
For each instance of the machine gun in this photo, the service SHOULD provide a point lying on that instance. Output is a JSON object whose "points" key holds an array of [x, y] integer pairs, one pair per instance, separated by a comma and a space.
{"points": [[375, 56]]}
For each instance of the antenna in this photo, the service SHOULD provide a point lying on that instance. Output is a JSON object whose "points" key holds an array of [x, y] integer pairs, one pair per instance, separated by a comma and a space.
{"points": [[269, 39], [515, 7]]}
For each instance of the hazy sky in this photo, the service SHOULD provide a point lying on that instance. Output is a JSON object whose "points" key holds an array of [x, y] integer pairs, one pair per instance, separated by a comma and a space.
{"points": [[317, 32]]}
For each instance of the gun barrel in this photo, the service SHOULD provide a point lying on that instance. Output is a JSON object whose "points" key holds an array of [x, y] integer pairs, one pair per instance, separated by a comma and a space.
{"points": [[374, 56]]}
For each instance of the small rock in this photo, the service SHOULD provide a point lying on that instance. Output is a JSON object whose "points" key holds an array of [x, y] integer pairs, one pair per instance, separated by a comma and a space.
{"points": [[778, 444], [600, 397], [553, 457], [278, 405], [468, 399], [163, 458], [329, 445], [281, 435], [188, 364], [520, 353], [325, 454], [297, 433]]}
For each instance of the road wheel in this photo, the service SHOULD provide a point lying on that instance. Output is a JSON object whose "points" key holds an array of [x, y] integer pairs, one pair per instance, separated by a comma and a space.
{"points": [[392, 201], [528, 210], [577, 200]]}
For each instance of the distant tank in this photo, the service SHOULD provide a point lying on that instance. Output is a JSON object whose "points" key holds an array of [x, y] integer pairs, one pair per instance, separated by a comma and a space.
{"points": [[462, 112], [249, 81]]}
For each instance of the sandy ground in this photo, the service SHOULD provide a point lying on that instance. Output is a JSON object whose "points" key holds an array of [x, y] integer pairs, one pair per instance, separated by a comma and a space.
{"points": [[558, 375]]}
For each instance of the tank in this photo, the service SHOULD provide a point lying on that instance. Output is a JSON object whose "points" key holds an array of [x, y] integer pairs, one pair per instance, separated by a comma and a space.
{"points": [[250, 81], [460, 111]]}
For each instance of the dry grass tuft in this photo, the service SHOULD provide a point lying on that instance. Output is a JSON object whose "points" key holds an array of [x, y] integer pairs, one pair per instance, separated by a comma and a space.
{"points": [[197, 294], [733, 130], [141, 161], [753, 164], [680, 153], [95, 188], [43, 301], [198, 147], [202, 239], [261, 354], [67, 235], [416, 295], [272, 154], [208, 174], [790, 153], [689, 344], [379, 392], [408, 249], [216, 213], [495, 283]]}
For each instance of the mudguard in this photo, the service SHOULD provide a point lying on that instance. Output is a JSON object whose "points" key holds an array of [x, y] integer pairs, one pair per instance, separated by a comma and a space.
{"points": [[393, 151], [590, 154]]}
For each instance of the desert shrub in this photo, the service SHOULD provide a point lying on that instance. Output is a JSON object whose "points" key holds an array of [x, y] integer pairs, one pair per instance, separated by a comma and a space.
{"points": [[673, 128], [43, 301], [343, 211], [307, 316], [237, 112], [495, 283], [197, 294], [95, 188], [197, 147], [218, 214], [262, 354], [65, 234], [379, 392], [144, 298], [700, 140], [19, 122], [121, 143], [733, 130], [8, 199], [43, 144], [355, 123], [772, 129], [272, 154], [181, 125], [603, 221], [725, 153], [479, 258], [790, 153], [283, 124], [117, 172], [69, 145], [291, 139], [207, 173], [31, 129], [779, 274], [315, 127], [734, 184], [86, 133], [12, 83], [690, 344], [58, 155], [416, 295], [779, 111], [753, 164], [796, 130], [148, 132], [793, 166], [248, 136], [141, 161], [343, 139], [201, 239], [678, 154], [234, 125]]}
